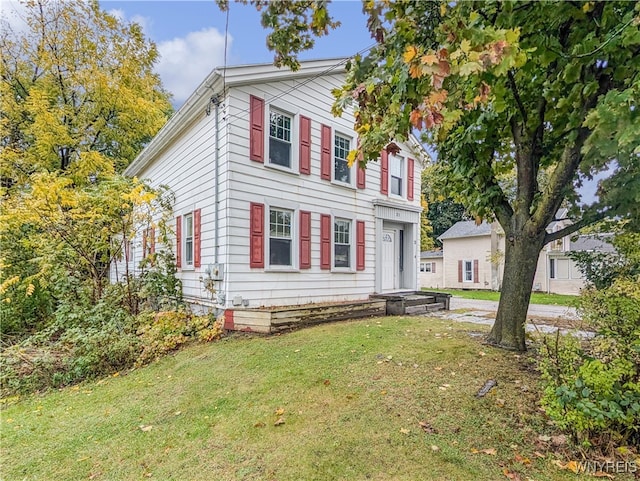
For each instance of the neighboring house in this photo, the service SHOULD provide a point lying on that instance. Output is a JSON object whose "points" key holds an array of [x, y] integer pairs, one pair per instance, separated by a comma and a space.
{"points": [[557, 272], [473, 258], [473, 255], [431, 268], [267, 209]]}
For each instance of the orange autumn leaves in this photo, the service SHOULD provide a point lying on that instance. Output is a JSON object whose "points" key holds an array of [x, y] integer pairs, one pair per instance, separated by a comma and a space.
{"points": [[437, 65]]}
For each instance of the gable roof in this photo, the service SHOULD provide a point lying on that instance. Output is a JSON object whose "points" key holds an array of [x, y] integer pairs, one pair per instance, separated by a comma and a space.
{"points": [[466, 228], [593, 242], [434, 254]]}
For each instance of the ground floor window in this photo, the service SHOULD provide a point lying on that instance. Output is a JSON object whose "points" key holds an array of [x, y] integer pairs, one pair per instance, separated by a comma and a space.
{"points": [[425, 267], [468, 271], [188, 239], [342, 243], [280, 237]]}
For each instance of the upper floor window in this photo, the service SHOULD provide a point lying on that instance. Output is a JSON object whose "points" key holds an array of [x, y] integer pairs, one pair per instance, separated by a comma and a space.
{"points": [[342, 243], [188, 239], [341, 169], [280, 247], [279, 138], [396, 169]]}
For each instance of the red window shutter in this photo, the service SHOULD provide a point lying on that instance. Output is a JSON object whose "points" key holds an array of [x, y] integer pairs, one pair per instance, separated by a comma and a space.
{"points": [[325, 152], [152, 235], [433, 267], [475, 271], [257, 235], [459, 271], [360, 245], [197, 231], [325, 241], [179, 241], [384, 172], [410, 173], [145, 234], [305, 239], [305, 145], [361, 177], [256, 128]]}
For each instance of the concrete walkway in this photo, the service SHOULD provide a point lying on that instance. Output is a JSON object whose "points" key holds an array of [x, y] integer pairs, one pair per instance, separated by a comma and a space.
{"points": [[535, 310], [484, 312]]}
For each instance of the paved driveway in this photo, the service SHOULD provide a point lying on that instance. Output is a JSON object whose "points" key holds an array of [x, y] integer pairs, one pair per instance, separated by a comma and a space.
{"points": [[542, 318], [535, 310]]}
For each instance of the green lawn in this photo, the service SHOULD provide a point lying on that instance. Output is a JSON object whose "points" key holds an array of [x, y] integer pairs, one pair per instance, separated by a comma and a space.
{"points": [[334, 402], [536, 297]]}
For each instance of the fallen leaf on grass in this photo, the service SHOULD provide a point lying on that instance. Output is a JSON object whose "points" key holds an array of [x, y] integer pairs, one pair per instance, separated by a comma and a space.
{"points": [[489, 451], [279, 422], [427, 428], [522, 459], [145, 429], [434, 448], [405, 431], [327, 382], [279, 412], [538, 454], [602, 474], [259, 424], [511, 475]]}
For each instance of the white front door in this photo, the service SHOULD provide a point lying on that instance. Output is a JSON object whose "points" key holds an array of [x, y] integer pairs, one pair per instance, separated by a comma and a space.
{"points": [[389, 261]]}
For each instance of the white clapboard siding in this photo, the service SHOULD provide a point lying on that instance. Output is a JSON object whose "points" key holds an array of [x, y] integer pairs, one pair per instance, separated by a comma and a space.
{"points": [[256, 182], [183, 159]]}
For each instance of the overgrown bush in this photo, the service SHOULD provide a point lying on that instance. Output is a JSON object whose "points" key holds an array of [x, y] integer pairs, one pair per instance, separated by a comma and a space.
{"points": [[109, 340], [164, 332], [592, 388]]}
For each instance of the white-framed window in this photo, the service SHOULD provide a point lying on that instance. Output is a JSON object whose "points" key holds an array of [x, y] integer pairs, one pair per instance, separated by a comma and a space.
{"points": [[280, 138], [280, 237], [425, 267], [342, 243], [341, 171], [396, 175], [188, 239], [467, 271]]}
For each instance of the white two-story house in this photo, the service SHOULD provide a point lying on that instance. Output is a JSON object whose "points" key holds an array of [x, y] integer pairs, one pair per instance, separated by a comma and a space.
{"points": [[266, 206]]}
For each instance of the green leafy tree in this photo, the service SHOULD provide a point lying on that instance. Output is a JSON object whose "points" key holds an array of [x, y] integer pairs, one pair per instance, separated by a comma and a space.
{"points": [[78, 91], [426, 229], [496, 87], [442, 210], [79, 101]]}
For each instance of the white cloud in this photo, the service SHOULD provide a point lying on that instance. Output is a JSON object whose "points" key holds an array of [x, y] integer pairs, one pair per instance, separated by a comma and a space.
{"points": [[186, 61], [118, 13], [13, 12]]}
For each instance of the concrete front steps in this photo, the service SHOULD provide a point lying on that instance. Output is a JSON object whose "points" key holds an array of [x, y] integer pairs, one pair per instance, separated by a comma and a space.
{"points": [[414, 302]]}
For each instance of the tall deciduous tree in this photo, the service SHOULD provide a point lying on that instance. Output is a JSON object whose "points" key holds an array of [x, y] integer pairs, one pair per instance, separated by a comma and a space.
{"points": [[78, 91], [79, 101], [500, 86]]}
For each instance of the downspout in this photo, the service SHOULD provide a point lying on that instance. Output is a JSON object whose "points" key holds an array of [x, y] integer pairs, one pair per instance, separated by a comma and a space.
{"points": [[216, 102]]}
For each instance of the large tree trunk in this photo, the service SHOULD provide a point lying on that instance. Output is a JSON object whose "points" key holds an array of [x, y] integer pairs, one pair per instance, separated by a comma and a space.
{"points": [[521, 259]]}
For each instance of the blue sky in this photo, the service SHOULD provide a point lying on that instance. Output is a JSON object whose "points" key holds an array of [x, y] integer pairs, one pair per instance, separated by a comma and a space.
{"points": [[190, 37]]}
